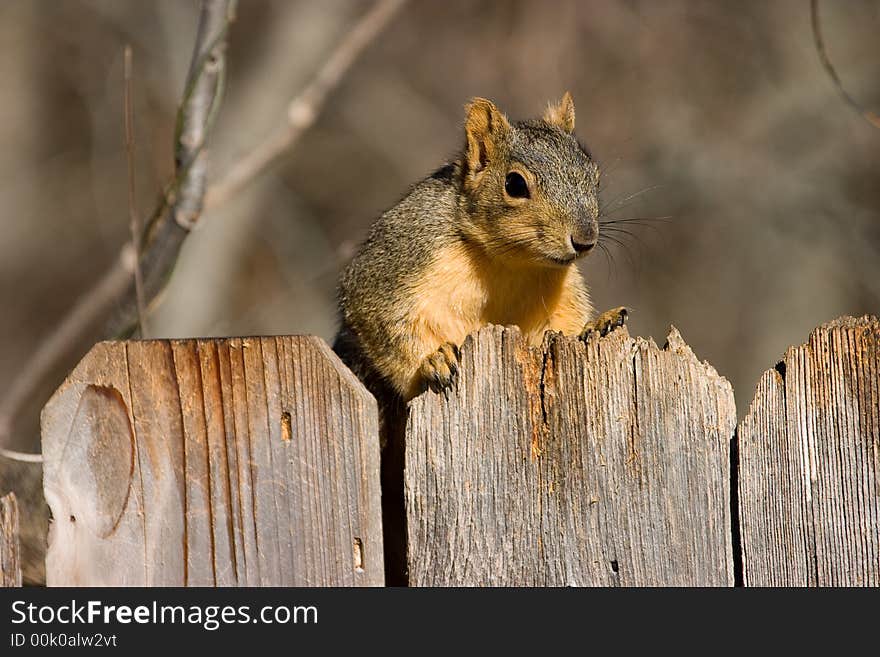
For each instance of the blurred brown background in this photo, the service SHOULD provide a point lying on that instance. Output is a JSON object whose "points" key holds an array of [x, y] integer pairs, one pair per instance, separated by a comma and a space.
{"points": [[721, 109]]}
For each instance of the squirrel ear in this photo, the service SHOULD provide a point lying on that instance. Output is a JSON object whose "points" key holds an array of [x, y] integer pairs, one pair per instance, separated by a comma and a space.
{"points": [[562, 114], [485, 128]]}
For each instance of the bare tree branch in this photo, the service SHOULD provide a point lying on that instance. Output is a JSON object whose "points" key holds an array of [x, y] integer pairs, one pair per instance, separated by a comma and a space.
{"points": [[871, 117], [182, 201], [304, 109]]}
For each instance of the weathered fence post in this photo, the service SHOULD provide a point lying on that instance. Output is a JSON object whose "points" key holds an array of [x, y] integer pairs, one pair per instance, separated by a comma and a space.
{"points": [[809, 463], [605, 463], [10, 553], [255, 461], [241, 461]]}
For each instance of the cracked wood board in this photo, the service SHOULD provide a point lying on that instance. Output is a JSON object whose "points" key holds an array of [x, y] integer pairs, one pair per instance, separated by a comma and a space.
{"points": [[809, 463], [241, 461], [10, 552], [600, 463]]}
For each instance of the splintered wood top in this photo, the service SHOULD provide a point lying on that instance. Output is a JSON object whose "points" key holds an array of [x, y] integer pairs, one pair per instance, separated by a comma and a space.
{"points": [[809, 463], [599, 463]]}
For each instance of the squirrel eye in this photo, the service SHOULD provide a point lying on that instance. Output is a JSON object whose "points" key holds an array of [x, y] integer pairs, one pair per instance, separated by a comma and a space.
{"points": [[515, 185]]}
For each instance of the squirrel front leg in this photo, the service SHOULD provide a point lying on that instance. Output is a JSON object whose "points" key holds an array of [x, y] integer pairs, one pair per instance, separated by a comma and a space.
{"points": [[413, 373], [415, 358]]}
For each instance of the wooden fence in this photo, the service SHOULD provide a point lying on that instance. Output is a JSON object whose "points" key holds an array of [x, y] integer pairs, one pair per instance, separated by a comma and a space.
{"points": [[611, 462], [250, 461], [809, 463], [605, 463], [10, 564]]}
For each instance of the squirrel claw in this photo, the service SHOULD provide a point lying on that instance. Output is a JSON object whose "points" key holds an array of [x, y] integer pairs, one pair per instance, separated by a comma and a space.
{"points": [[606, 322], [440, 368]]}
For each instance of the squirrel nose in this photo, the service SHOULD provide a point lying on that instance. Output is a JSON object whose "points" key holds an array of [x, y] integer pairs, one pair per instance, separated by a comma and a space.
{"points": [[584, 232], [582, 247]]}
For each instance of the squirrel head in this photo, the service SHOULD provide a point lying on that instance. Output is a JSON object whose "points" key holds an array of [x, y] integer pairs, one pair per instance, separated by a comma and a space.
{"points": [[530, 189]]}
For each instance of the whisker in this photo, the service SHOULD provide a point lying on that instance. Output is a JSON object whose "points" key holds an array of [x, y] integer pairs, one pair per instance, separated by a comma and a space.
{"points": [[636, 220], [624, 248], [627, 224], [622, 231], [605, 252], [604, 210], [615, 240], [608, 258], [618, 200], [607, 171]]}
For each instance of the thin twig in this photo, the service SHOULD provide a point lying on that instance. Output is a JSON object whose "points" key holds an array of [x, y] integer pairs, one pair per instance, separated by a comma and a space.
{"points": [[870, 116], [24, 457], [133, 217], [304, 109]]}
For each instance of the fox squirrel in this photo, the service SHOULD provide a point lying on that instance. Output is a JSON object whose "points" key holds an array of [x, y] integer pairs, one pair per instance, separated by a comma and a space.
{"points": [[490, 238]]}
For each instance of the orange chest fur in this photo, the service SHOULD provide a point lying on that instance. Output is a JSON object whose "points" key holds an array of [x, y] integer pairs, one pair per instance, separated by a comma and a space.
{"points": [[460, 292]]}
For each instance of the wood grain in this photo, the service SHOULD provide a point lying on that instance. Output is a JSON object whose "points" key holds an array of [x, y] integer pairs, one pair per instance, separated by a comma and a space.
{"points": [[241, 461], [809, 463], [10, 551], [25, 480], [600, 463]]}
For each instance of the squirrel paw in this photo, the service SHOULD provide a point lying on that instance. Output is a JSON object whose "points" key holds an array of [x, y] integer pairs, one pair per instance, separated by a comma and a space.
{"points": [[606, 322], [439, 369]]}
